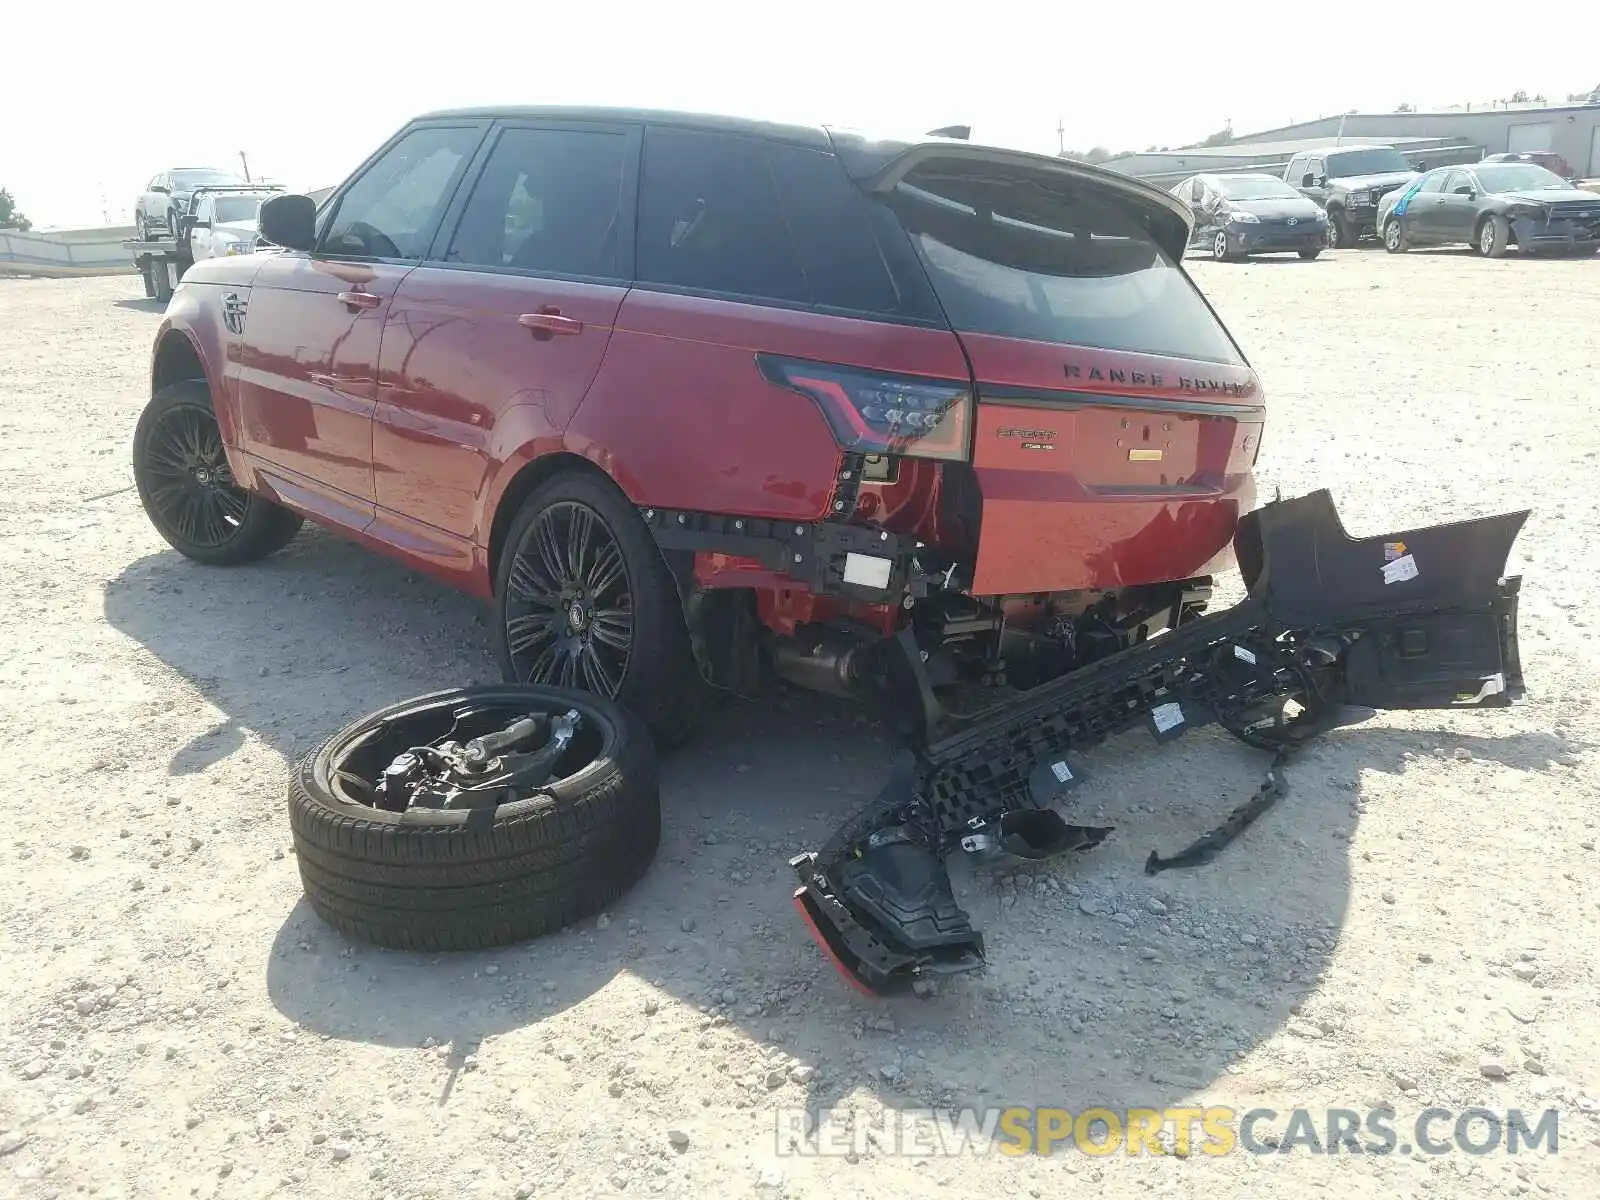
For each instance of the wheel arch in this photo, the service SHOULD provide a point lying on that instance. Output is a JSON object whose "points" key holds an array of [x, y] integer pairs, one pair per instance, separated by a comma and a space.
{"points": [[523, 484], [176, 359]]}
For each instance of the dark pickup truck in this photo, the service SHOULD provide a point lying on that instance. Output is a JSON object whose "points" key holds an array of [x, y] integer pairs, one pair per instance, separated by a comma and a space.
{"points": [[1349, 181]]}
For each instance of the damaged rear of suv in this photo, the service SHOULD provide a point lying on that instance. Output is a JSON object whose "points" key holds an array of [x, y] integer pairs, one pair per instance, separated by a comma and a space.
{"points": [[694, 400]]}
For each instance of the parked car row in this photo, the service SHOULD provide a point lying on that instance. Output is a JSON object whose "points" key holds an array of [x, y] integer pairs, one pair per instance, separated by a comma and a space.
{"points": [[1334, 197]]}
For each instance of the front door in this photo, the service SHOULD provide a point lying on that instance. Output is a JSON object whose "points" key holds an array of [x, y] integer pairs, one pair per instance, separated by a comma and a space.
{"points": [[307, 378], [200, 229], [1456, 209], [492, 342]]}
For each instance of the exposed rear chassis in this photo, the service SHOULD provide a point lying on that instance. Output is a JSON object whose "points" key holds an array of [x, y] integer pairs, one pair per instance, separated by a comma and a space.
{"points": [[1418, 619]]}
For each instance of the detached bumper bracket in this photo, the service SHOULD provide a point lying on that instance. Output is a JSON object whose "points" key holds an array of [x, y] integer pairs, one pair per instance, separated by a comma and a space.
{"points": [[1418, 619]]}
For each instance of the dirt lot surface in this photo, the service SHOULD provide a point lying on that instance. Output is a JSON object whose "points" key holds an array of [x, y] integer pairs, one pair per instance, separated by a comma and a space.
{"points": [[1415, 927]]}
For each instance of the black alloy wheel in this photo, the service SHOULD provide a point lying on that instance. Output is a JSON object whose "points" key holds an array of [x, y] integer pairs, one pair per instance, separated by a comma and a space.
{"points": [[187, 480], [187, 487], [569, 604]]}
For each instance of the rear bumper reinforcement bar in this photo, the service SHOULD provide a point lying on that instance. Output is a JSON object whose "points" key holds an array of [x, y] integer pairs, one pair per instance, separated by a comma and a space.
{"points": [[1420, 619]]}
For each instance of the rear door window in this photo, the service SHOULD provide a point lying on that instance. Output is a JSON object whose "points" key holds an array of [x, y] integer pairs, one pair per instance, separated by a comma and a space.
{"points": [[762, 220], [549, 201], [1043, 255]]}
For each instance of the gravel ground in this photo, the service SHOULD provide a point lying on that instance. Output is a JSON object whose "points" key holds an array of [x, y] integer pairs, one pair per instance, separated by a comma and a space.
{"points": [[1415, 927]]}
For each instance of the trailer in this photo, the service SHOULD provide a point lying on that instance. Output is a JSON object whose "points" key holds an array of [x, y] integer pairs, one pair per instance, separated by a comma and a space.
{"points": [[161, 263]]}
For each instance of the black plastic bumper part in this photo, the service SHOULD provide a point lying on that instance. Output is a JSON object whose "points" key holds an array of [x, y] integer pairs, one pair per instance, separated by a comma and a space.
{"points": [[1423, 618]]}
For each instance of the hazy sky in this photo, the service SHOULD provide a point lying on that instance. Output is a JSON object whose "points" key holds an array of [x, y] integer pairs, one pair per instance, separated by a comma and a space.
{"points": [[89, 109]]}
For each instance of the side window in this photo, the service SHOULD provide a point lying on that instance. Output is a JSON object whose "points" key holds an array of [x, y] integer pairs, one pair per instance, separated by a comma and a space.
{"points": [[548, 200], [710, 219], [1457, 179], [830, 226], [391, 210], [202, 209], [1316, 168], [1435, 182], [1296, 168], [760, 219]]}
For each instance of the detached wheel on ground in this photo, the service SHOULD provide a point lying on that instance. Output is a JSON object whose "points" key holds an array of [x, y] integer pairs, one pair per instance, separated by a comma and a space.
{"points": [[1311, 255], [1494, 236], [187, 488], [475, 817], [584, 599]]}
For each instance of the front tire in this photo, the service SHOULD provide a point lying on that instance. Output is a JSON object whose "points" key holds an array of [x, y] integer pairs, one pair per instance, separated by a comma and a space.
{"points": [[1494, 236], [1341, 234], [584, 599], [1394, 237], [1221, 251], [187, 487], [1310, 255]]}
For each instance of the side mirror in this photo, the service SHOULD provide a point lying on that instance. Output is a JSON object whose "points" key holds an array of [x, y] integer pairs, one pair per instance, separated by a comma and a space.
{"points": [[199, 224], [1465, 190], [162, 188], [289, 221], [1308, 180], [1322, 181]]}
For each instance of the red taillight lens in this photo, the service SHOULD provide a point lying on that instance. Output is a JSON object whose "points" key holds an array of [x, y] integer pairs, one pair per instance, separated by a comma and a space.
{"points": [[871, 412]]}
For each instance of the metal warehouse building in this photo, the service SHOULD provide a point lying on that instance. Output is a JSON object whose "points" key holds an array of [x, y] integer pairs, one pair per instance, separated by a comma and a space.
{"points": [[1433, 138]]}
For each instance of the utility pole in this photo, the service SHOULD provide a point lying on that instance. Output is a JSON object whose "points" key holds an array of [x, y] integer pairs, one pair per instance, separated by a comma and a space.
{"points": [[1061, 136], [245, 162]]}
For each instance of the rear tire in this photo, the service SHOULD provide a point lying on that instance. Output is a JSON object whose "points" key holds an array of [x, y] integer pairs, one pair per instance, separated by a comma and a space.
{"points": [[1494, 236], [469, 878], [187, 488], [563, 612]]}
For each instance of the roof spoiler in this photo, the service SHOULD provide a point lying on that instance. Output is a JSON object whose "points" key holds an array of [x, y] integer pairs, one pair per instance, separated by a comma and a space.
{"points": [[961, 132], [1172, 224]]}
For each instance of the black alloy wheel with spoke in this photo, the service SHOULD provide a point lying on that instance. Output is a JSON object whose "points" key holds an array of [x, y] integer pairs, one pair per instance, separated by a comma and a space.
{"points": [[569, 606], [188, 490], [584, 599]]}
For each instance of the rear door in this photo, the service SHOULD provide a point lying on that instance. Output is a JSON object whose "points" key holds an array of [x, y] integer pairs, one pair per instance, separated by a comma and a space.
{"points": [[492, 342], [1103, 378]]}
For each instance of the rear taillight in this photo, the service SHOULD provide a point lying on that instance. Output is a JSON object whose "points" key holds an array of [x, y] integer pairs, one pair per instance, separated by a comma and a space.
{"points": [[872, 412]]}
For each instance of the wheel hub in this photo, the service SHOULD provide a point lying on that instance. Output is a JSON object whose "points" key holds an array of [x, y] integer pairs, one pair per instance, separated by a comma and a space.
{"points": [[577, 617], [203, 475]]}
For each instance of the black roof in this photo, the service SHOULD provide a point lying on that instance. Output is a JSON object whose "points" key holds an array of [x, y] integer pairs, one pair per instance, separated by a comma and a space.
{"points": [[863, 155], [805, 135]]}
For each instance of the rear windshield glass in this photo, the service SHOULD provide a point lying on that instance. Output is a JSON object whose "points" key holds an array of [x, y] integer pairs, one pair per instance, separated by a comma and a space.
{"points": [[1050, 258]]}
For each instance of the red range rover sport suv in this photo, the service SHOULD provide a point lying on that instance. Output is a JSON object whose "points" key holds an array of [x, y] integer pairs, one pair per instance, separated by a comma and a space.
{"points": [[694, 399]]}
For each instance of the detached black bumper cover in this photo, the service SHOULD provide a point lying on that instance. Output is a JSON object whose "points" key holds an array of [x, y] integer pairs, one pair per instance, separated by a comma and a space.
{"points": [[1412, 620]]}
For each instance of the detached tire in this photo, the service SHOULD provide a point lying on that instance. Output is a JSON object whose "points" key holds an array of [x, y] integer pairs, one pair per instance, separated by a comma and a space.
{"points": [[466, 879]]}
